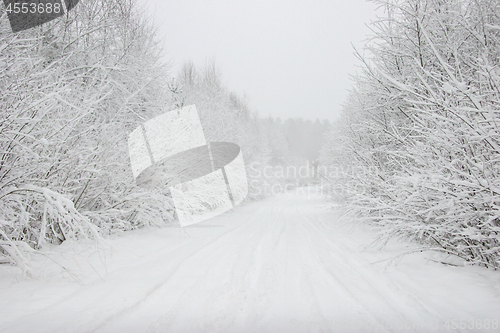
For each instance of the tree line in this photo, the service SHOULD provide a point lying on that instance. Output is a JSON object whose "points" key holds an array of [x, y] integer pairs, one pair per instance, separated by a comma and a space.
{"points": [[423, 119], [71, 92]]}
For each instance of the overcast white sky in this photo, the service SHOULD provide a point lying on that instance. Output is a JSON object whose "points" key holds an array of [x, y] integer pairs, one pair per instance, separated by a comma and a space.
{"points": [[291, 58]]}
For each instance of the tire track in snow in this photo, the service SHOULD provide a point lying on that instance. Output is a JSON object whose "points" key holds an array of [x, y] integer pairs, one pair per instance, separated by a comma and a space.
{"points": [[180, 262], [388, 293], [247, 271], [333, 264], [360, 263]]}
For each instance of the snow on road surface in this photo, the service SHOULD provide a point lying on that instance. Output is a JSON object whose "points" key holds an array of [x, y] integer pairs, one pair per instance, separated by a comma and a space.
{"points": [[284, 264]]}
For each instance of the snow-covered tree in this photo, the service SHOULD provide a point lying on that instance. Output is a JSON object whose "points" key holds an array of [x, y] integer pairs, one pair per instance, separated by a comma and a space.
{"points": [[72, 89], [423, 120], [224, 115]]}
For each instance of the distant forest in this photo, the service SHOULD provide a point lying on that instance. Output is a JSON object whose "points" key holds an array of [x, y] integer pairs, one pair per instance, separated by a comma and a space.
{"points": [[295, 140]]}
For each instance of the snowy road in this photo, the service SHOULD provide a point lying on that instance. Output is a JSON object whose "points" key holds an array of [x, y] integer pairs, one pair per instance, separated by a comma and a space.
{"points": [[285, 264]]}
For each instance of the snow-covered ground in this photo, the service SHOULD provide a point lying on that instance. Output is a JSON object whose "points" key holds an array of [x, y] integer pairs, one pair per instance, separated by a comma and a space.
{"points": [[284, 264]]}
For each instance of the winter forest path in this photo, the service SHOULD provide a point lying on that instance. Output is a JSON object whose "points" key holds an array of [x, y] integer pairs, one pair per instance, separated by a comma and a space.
{"points": [[284, 264]]}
